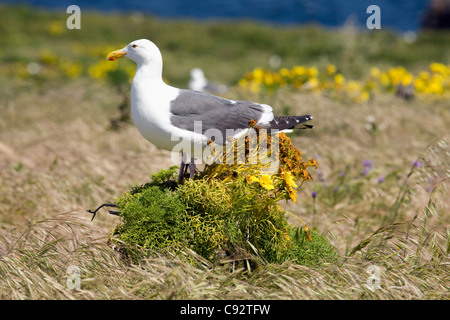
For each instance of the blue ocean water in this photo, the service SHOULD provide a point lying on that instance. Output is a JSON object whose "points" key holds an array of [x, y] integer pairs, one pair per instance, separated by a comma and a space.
{"points": [[399, 15]]}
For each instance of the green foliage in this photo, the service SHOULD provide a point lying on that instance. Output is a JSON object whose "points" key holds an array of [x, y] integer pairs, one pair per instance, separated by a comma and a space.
{"points": [[222, 222], [152, 219], [311, 253], [165, 175]]}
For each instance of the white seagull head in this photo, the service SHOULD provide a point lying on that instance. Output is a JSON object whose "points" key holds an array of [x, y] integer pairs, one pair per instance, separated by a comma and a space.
{"points": [[141, 51]]}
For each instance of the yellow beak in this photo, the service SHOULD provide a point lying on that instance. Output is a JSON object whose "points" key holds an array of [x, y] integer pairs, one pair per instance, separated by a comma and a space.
{"points": [[115, 55]]}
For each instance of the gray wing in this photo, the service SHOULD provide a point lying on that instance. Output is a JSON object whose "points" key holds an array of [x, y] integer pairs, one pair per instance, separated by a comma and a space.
{"points": [[216, 114]]}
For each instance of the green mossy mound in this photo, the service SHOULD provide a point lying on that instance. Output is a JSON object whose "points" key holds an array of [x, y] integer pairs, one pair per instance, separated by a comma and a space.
{"points": [[222, 221]]}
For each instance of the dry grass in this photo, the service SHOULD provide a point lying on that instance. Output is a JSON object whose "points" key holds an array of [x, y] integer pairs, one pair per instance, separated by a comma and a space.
{"points": [[35, 266], [59, 157]]}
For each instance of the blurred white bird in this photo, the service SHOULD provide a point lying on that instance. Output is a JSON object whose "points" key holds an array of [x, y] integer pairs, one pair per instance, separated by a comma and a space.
{"points": [[198, 82]]}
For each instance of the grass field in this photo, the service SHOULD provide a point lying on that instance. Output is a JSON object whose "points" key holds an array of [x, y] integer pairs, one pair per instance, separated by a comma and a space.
{"points": [[380, 191]]}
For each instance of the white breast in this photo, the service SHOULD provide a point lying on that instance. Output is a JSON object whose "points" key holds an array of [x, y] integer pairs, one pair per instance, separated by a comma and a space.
{"points": [[150, 109]]}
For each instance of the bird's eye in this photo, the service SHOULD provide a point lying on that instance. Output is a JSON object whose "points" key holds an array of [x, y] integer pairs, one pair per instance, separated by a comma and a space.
{"points": [[134, 45]]}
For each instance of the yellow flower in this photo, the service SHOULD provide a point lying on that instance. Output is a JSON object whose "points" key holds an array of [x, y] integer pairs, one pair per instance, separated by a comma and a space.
{"points": [[243, 82], [312, 163], [339, 79], [407, 79], [101, 70], [48, 58], [424, 75], [258, 74], [353, 85], [384, 79], [55, 28], [292, 194], [287, 237], [284, 72], [299, 70], [313, 72], [306, 175], [419, 85], [435, 86], [312, 84], [364, 96], [278, 79], [266, 182], [254, 87], [331, 69], [250, 179], [289, 179], [438, 68], [375, 72], [70, 68], [267, 79], [396, 75], [308, 234]]}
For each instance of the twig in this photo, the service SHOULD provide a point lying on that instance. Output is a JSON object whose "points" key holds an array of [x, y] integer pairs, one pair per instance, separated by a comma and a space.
{"points": [[116, 213]]}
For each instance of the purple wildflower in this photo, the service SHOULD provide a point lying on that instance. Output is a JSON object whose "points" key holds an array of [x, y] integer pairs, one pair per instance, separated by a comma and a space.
{"points": [[417, 164], [314, 194], [380, 179], [368, 165]]}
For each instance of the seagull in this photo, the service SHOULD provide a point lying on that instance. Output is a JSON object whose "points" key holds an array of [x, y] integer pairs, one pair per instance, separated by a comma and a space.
{"points": [[163, 114], [198, 82]]}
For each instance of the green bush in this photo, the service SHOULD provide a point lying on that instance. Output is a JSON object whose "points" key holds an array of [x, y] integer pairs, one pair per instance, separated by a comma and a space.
{"points": [[222, 221]]}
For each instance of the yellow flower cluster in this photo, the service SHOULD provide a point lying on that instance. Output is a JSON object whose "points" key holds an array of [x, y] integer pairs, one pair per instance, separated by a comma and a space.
{"points": [[101, 69], [283, 183], [261, 178], [291, 171], [54, 66], [435, 81], [71, 69], [84, 61], [104, 69], [279, 182], [56, 28], [298, 77]]}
